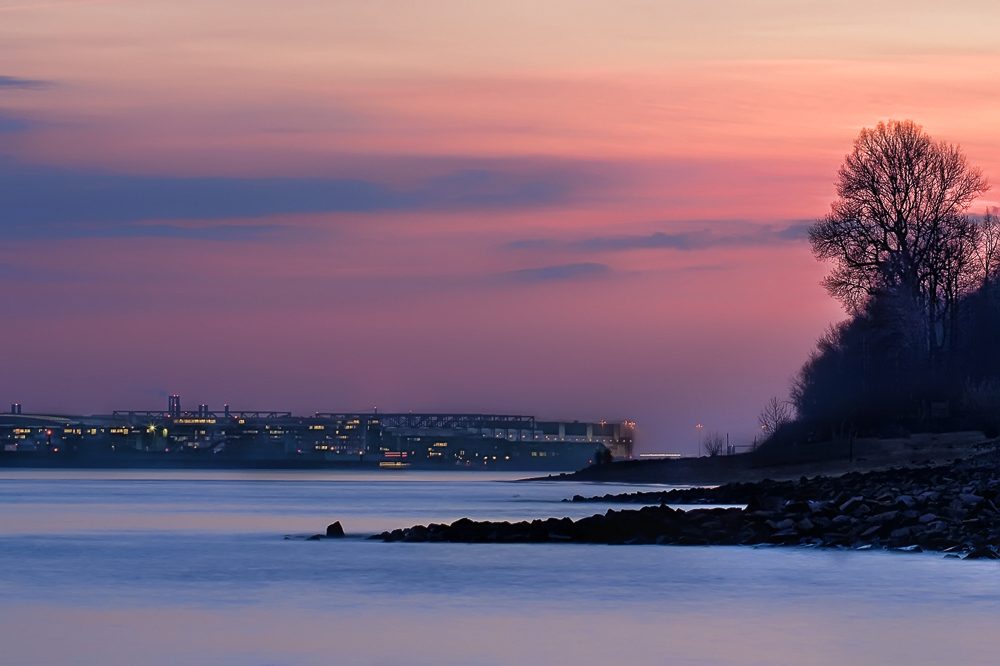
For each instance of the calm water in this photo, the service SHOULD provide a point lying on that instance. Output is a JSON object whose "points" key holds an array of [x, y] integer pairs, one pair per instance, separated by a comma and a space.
{"points": [[192, 568]]}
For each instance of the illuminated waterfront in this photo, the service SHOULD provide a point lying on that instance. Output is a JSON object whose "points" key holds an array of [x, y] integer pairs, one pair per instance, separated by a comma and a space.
{"points": [[279, 440]]}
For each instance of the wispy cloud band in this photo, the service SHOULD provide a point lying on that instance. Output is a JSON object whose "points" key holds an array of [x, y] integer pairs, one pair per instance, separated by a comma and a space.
{"points": [[559, 273], [685, 240], [41, 201], [18, 82]]}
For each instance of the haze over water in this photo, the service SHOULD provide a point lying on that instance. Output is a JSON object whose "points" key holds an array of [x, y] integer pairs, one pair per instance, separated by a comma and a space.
{"points": [[191, 567]]}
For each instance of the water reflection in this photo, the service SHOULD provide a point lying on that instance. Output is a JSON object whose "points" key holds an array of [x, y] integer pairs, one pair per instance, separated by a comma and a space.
{"points": [[121, 570]]}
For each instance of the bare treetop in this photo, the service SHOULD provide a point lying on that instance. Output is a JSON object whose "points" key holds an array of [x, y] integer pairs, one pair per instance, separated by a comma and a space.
{"points": [[987, 250], [776, 413], [900, 215]]}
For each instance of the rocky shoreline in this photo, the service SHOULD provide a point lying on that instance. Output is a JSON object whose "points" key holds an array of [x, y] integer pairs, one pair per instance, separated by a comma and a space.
{"points": [[950, 509]]}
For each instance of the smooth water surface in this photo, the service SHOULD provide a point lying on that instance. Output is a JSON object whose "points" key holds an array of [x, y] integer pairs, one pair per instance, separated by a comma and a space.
{"points": [[192, 568]]}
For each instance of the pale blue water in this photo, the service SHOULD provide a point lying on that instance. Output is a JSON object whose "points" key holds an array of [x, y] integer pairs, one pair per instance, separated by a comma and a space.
{"points": [[191, 568]]}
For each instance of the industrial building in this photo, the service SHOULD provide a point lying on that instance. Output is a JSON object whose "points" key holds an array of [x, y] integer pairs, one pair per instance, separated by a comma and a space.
{"points": [[228, 437]]}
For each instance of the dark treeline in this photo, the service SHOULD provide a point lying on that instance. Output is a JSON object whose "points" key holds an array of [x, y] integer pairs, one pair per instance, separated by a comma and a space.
{"points": [[920, 280]]}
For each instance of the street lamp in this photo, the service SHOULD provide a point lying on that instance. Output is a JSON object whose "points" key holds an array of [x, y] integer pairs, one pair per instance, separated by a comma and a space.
{"points": [[699, 427]]}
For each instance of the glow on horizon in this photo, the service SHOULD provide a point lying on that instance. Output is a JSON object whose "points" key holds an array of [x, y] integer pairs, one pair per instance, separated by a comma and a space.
{"points": [[564, 208]]}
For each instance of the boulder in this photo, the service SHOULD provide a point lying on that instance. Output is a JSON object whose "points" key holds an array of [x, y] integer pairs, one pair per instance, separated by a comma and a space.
{"points": [[900, 533], [851, 504], [947, 509], [797, 507], [335, 531]]}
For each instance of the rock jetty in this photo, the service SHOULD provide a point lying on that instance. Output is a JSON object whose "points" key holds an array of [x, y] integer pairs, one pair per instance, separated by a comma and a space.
{"points": [[950, 509]]}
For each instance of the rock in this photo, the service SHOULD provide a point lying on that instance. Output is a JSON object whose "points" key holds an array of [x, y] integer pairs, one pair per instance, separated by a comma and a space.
{"points": [[314, 537], [797, 507], [982, 554], [943, 509], [836, 539], [851, 504], [335, 530]]}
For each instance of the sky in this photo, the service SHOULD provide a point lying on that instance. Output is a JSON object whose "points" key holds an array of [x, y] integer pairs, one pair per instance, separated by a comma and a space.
{"points": [[571, 209]]}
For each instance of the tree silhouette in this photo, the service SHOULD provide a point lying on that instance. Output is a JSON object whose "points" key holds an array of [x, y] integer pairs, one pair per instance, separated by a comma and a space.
{"points": [[920, 279], [899, 231], [714, 443], [775, 414], [986, 254]]}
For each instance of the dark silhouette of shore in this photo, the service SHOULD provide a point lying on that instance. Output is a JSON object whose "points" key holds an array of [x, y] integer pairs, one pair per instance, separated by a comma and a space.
{"points": [[947, 508]]}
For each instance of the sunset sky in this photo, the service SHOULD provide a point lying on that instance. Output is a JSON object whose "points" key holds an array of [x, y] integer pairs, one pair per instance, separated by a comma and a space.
{"points": [[572, 209]]}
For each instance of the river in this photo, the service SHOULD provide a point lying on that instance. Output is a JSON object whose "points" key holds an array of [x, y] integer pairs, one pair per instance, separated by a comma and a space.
{"points": [[182, 567]]}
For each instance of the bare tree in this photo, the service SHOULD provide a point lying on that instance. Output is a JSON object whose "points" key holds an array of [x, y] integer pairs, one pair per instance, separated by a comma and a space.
{"points": [[775, 414], [899, 229], [987, 249], [714, 443]]}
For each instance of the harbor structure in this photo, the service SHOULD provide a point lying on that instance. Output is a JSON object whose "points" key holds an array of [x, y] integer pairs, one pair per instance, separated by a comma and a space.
{"points": [[262, 438]]}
